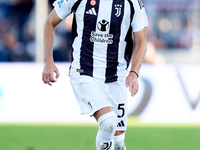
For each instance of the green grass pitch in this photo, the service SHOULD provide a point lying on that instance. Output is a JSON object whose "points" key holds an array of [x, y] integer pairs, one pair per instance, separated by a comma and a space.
{"points": [[82, 137]]}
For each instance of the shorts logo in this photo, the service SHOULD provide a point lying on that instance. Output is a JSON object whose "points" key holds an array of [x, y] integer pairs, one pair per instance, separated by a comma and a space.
{"points": [[118, 8], [121, 124], [93, 2], [90, 105], [103, 25]]}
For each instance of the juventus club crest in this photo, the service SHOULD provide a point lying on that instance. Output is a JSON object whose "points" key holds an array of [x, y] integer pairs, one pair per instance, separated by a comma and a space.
{"points": [[118, 8]]}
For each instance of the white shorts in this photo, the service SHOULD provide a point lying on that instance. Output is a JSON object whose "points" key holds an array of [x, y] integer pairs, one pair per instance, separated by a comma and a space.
{"points": [[92, 95]]}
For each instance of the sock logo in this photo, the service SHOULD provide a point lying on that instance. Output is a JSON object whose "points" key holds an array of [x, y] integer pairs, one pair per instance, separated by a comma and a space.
{"points": [[107, 145]]}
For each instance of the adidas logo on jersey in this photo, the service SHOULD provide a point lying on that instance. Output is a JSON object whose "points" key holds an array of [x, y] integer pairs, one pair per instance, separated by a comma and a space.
{"points": [[91, 11]]}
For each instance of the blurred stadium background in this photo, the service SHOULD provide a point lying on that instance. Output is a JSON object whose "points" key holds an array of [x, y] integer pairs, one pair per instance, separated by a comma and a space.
{"points": [[166, 107]]}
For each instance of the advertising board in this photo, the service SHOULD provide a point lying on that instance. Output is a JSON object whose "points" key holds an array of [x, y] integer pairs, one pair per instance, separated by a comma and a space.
{"points": [[167, 94]]}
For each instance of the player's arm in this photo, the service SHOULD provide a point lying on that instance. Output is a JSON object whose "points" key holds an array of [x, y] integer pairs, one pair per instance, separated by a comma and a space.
{"points": [[136, 60], [49, 31]]}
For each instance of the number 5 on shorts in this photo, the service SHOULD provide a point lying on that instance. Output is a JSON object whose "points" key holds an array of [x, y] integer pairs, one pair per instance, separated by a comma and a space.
{"points": [[121, 107]]}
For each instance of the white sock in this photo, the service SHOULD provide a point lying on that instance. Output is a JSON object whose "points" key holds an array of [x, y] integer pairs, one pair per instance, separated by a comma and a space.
{"points": [[107, 127], [119, 142]]}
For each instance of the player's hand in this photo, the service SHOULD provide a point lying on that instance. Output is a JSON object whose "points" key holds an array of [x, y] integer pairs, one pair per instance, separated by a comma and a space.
{"points": [[132, 83], [48, 73]]}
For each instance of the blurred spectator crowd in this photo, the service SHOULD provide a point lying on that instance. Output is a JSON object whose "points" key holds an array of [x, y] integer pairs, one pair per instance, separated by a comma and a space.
{"points": [[173, 25], [16, 35]]}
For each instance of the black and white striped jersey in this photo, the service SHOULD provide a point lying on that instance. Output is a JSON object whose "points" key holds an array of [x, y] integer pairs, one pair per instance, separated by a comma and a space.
{"points": [[102, 35]]}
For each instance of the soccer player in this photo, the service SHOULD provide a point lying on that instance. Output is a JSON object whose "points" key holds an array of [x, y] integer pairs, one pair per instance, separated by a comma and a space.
{"points": [[102, 50]]}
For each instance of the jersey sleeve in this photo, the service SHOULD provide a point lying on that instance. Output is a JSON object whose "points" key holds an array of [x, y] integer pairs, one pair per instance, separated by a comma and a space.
{"points": [[140, 20], [63, 8]]}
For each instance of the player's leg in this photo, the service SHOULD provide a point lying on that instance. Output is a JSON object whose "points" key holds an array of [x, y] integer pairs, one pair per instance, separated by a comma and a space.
{"points": [[119, 101], [93, 99], [107, 121]]}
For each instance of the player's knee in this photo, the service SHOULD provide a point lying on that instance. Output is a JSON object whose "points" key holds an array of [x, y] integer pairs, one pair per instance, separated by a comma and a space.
{"points": [[108, 123]]}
